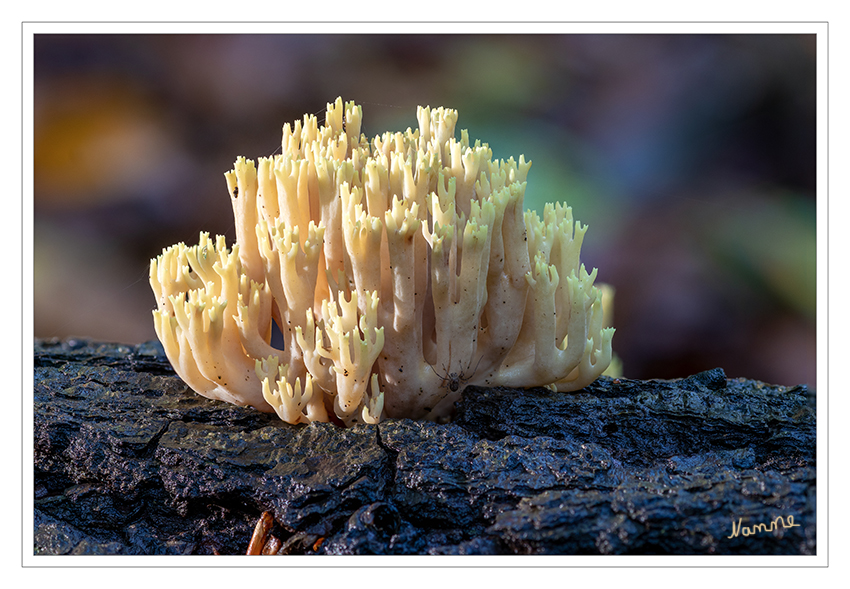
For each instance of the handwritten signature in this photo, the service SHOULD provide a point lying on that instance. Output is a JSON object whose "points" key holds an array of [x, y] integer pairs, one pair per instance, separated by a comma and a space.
{"points": [[758, 528]]}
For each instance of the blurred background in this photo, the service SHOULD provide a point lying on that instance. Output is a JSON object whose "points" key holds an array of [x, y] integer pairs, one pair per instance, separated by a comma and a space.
{"points": [[691, 158]]}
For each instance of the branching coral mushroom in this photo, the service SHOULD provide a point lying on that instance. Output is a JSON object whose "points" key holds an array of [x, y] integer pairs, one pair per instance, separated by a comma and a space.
{"points": [[398, 271]]}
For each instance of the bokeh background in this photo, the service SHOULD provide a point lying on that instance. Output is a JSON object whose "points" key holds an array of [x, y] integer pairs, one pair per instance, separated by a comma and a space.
{"points": [[691, 157]]}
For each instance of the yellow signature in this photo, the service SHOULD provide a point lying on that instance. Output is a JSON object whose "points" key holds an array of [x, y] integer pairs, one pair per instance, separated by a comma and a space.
{"points": [[762, 527]]}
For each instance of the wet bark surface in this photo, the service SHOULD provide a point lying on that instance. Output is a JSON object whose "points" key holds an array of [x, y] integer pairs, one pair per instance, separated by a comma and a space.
{"points": [[128, 460]]}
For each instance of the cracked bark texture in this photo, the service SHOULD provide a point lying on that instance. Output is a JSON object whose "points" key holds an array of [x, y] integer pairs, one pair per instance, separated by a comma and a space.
{"points": [[129, 461]]}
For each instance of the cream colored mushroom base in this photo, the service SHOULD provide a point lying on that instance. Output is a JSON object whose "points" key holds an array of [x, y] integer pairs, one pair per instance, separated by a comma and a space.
{"points": [[399, 270]]}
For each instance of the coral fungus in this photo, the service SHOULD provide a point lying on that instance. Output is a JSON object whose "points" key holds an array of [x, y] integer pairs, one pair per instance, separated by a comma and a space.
{"points": [[398, 270]]}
